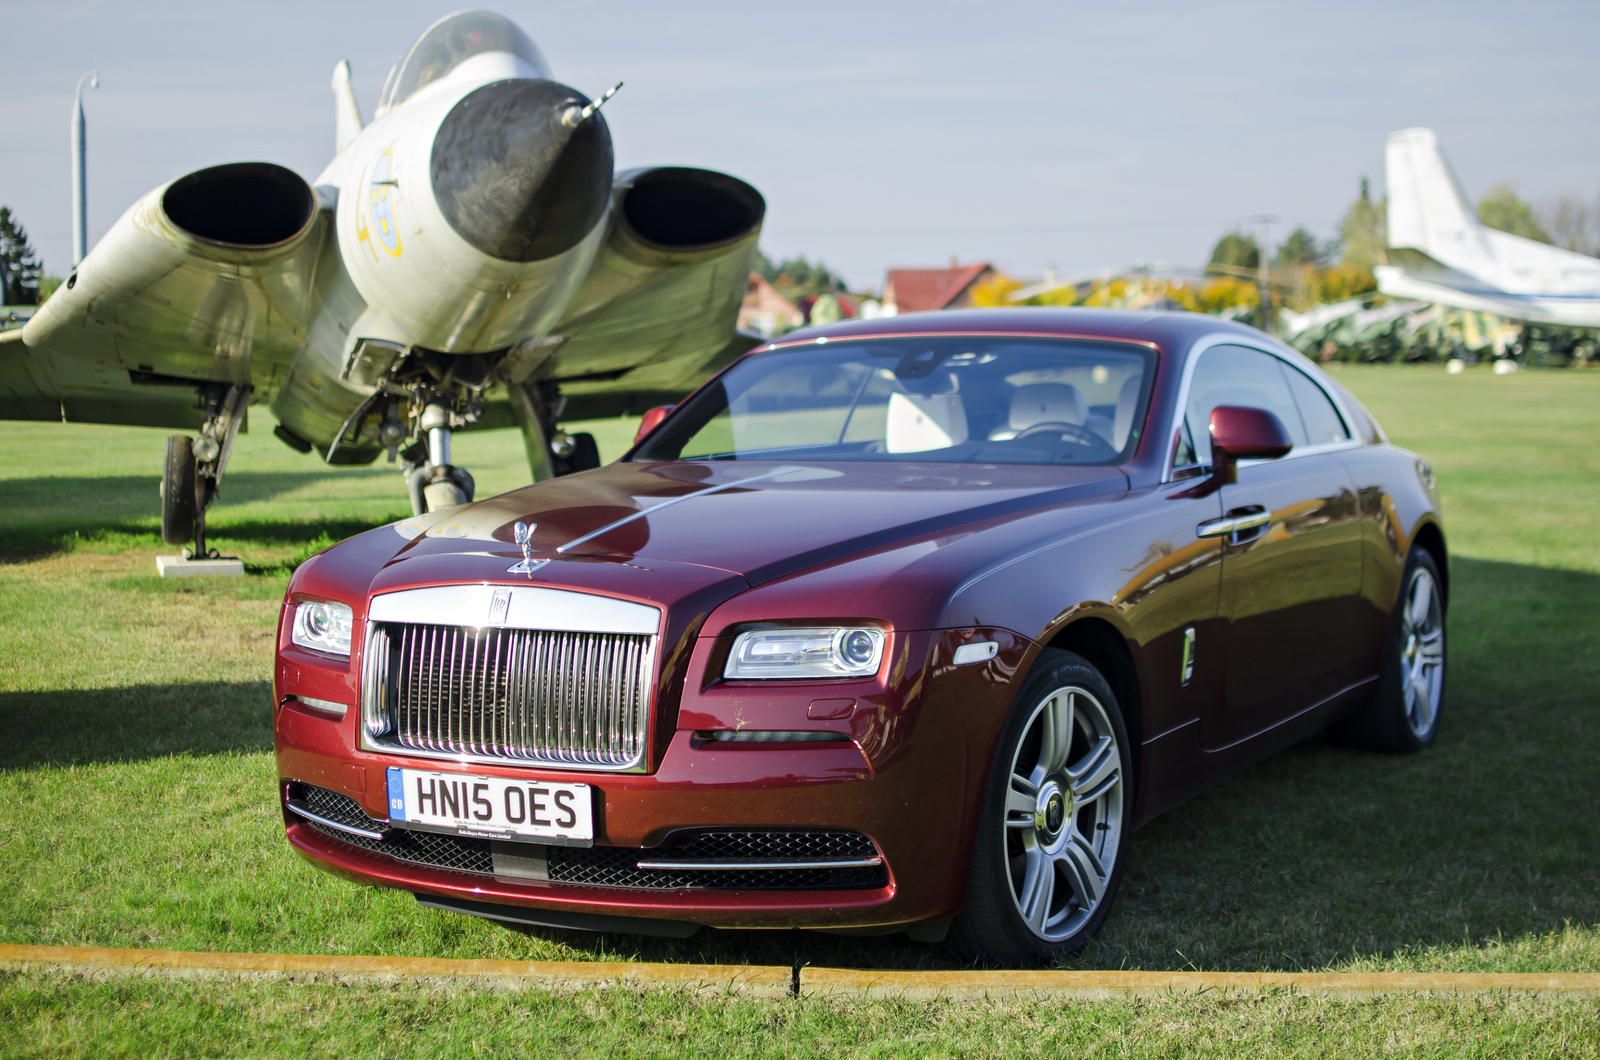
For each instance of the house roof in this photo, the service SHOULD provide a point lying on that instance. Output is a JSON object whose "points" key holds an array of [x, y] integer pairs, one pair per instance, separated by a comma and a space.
{"points": [[915, 290]]}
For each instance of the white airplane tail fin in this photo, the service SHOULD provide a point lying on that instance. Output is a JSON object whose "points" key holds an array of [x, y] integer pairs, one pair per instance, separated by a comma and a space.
{"points": [[347, 116], [1428, 211]]}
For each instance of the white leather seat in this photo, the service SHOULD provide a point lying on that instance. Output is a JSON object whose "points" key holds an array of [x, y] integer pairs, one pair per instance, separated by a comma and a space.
{"points": [[1038, 403], [916, 424]]}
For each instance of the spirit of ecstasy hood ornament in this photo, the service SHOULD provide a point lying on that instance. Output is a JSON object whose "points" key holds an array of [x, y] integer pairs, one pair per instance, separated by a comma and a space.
{"points": [[524, 537]]}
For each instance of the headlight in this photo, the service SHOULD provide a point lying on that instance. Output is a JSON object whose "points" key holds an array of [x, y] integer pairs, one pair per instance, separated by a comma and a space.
{"points": [[797, 654], [322, 626]]}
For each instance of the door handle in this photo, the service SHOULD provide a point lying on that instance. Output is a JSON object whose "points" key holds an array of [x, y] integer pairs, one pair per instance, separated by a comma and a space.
{"points": [[1233, 522]]}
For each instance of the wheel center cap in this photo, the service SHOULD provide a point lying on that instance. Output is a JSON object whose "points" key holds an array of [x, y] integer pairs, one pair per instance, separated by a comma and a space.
{"points": [[1050, 813], [1411, 646]]}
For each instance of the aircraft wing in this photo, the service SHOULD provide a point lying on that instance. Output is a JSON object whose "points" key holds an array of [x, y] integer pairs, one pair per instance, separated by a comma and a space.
{"points": [[155, 309], [43, 385]]}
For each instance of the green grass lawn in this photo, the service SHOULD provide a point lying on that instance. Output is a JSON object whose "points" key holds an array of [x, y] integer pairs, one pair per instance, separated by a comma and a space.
{"points": [[137, 802]]}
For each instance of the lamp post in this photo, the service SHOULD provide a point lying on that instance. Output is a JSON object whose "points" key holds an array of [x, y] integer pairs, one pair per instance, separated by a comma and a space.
{"points": [[1263, 273], [80, 200]]}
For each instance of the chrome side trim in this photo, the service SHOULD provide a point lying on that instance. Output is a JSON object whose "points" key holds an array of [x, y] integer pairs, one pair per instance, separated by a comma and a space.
{"points": [[300, 809], [981, 651], [530, 607], [735, 866]]}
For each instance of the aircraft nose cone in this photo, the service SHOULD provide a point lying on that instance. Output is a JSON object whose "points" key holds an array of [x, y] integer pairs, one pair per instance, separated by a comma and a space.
{"points": [[513, 179]]}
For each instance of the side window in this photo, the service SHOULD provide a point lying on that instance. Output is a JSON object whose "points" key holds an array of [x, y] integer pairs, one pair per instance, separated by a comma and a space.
{"points": [[1238, 375], [1183, 454], [1323, 424]]}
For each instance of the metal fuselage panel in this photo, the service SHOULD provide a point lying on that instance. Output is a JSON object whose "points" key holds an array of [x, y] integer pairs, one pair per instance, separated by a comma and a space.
{"points": [[423, 283]]}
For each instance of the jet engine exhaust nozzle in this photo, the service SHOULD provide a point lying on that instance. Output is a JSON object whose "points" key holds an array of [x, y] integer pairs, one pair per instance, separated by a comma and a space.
{"points": [[513, 178], [246, 205]]}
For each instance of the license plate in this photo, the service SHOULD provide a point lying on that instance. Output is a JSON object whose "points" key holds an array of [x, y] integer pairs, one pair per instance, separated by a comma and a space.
{"points": [[492, 807]]}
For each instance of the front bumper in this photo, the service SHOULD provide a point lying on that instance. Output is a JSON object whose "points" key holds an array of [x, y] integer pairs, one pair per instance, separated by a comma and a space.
{"points": [[698, 786], [909, 778]]}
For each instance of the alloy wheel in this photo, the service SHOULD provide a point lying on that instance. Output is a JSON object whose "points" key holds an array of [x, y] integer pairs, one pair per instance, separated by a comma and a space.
{"points": [[1063, 813], [1422, 652]]}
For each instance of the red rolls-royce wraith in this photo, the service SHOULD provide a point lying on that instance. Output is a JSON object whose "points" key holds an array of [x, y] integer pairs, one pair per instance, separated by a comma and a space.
{"points": [[894, 625]]}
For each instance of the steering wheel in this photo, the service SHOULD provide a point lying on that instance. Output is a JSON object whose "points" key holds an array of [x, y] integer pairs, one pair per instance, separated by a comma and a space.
{"points": [[1081, 435], [1068, 432]]}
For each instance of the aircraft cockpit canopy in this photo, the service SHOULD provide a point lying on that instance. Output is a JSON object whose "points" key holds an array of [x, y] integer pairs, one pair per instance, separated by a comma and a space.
{"points": [[449, 42]]}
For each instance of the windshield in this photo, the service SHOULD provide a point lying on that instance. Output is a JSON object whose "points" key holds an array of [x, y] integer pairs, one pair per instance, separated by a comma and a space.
{"points": [[946, 399], [448, 42]]}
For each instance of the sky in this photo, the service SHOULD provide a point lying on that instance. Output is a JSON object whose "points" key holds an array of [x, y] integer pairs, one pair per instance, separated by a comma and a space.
{"points": [[1068, 135]]}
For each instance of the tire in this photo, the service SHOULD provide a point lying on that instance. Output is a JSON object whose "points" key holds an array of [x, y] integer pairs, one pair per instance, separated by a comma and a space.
{"points": [[585, 452], [443, 494], [585, 456], [177, 491], [1052, 833], [1403, 715]]}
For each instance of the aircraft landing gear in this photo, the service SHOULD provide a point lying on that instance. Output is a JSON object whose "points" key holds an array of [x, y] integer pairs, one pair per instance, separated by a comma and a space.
{"points": [[193, 472], [551, 451], [433, 482]]}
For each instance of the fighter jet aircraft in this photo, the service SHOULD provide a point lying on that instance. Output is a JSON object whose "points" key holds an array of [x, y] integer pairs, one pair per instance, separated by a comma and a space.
{"points": [[468, 259], [1439, 252]]}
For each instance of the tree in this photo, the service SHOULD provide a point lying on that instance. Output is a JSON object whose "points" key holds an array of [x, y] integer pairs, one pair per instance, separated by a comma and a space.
{"points": [[1238, 250], [1301, 248], [1364, 232], [796, 277], [1501, 208], [1573, 223], [994, 291], [20, 263]]}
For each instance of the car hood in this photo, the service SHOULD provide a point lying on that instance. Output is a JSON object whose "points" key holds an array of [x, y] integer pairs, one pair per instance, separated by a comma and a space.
{"points": [[757, 520]]}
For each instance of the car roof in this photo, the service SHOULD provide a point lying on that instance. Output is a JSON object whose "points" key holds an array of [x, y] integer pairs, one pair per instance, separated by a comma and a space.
{"points": [[1170, 331]]}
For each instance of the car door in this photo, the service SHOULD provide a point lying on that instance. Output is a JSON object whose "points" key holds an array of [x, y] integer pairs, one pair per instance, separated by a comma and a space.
{"points": [[1291, 575]]}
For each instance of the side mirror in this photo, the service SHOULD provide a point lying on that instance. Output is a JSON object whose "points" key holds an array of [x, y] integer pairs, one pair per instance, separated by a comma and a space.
{"points": [[1240, 433], [651, 421]]}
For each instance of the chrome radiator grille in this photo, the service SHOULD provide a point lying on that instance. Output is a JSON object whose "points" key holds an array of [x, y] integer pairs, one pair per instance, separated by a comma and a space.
{"points": [[570, 699]]}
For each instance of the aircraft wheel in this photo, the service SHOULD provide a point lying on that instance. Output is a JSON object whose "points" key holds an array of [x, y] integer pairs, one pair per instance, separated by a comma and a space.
{"points": [[177, 491], [443, 494], [585, 452]]}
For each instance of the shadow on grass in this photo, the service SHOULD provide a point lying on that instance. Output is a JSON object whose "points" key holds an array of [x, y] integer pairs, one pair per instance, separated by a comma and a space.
{"points": [[51, 514], [22, 544], [70, 728]]}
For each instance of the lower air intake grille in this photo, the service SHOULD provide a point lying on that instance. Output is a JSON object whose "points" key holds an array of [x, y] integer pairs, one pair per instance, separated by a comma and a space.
{"points": [[619, 866], [455, 853]]}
